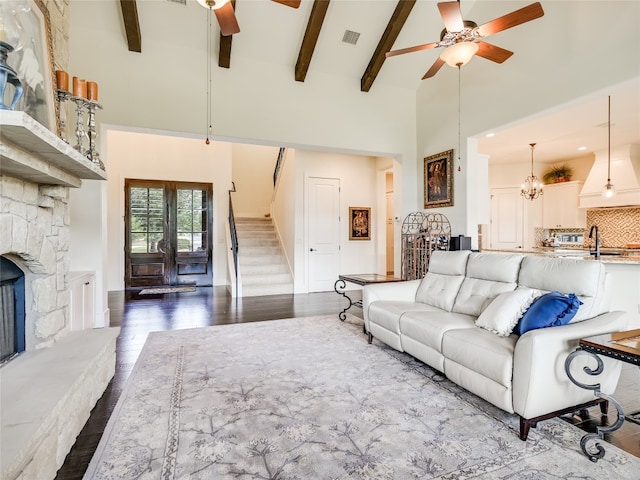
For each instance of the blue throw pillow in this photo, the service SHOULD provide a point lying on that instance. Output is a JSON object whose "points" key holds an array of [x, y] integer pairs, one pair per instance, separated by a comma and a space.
{"points": [[550, 310]]}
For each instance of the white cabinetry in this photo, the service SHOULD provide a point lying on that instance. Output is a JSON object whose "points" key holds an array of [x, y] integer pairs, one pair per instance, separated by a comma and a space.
{"points": [[560, 206], [81, 307]]}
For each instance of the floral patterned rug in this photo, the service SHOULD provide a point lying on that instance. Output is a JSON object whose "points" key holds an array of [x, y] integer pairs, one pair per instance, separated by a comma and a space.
{"points": [[308, 398]]}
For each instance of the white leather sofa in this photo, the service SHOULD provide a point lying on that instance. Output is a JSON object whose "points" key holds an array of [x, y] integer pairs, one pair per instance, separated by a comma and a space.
{"points": [[434, 320]]}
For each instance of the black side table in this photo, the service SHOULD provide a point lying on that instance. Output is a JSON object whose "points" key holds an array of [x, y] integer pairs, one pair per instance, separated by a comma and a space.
{"points": [[623, 346], [358, 279]]}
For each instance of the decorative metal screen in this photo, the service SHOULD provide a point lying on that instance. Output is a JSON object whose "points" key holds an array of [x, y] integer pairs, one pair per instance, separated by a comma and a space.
{"points": [[421, 235]]}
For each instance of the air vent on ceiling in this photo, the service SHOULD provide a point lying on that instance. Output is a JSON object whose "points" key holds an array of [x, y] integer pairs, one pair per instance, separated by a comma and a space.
{"points": [[180, 2], [350, 37]]}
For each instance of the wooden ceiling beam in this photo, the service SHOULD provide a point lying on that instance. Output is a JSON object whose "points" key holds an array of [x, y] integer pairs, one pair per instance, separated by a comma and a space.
{"points": [[397, 21], [131, 25], [314, 25]]}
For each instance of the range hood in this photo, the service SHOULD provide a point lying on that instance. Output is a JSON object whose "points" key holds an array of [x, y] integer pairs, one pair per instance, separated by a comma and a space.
{"points": [[625, 176]]}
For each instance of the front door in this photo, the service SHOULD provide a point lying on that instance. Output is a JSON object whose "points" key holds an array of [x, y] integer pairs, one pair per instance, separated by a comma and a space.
{"points": [[168, 238]]}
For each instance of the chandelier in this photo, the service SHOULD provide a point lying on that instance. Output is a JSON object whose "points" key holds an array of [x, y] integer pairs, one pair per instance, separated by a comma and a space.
{"points": [[532, 187]]}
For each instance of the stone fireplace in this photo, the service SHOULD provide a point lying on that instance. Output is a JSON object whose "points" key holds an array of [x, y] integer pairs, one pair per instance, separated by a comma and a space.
{"points": [[49, 389]]}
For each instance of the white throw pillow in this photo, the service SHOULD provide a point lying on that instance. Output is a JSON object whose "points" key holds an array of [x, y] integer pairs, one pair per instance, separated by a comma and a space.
{"points": [[503, 313]]}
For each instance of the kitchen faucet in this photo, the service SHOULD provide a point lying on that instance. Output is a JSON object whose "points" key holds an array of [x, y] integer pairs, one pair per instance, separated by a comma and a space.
{"points": [[597, 250]]}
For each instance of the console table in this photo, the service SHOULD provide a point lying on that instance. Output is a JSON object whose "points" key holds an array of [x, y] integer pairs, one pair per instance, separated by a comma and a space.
{"points": [[362, 280], [623, 346]]}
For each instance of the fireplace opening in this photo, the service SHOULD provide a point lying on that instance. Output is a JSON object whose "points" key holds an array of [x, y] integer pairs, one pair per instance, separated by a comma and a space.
{"points": [[12, 310]]}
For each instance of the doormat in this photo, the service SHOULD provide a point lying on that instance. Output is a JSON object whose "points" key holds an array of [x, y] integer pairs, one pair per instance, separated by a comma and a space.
{"points": [[161, 290]]}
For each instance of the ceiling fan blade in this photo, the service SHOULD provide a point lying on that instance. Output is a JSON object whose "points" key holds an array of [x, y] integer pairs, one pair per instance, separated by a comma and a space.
{"points": [[515, 18], [289, 3], [417, 48], [227, 19], [451, 16], [492, 52], [434, 68]]}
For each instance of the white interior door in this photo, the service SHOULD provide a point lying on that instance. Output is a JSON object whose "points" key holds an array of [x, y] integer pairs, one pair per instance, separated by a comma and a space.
{"points": [[323, 215], [507, 225]]}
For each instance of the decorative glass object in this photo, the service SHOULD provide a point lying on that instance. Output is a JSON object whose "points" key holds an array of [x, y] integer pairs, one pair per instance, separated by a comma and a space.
{"points": [[10, 41]]}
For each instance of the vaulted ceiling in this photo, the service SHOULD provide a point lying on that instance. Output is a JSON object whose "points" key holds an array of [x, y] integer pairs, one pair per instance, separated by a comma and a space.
{"points": [[314, 38]]}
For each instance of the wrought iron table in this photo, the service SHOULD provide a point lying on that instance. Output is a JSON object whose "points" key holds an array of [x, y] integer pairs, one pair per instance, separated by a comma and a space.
{"points": [[623, 346], [362, 280]]}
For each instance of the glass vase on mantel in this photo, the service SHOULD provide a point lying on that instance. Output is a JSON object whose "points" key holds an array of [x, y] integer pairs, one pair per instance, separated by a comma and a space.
{"points": [[10, 41]]}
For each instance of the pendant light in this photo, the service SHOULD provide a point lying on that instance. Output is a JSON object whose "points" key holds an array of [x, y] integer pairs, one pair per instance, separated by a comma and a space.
{"points": [[532, 187], [608, 191]]}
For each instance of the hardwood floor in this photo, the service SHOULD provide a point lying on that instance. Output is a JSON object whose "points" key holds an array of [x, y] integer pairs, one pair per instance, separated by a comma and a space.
{"points": [[137, 316]]}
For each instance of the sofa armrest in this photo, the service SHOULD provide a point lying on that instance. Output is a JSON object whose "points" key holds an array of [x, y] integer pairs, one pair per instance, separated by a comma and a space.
{"points": [[392, 291], [540, 382]]}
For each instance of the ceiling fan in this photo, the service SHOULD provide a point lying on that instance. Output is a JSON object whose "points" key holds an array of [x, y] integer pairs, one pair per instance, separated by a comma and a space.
{"points": [[462, 39], [226, 16]]}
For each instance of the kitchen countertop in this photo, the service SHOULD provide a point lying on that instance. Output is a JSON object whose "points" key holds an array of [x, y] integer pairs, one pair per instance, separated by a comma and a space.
{"points": [[615, 255]]}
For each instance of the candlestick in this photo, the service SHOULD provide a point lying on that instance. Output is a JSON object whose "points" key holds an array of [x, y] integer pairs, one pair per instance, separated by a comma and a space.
{"points": [[80, 133], [62, 80], [92, 153], [92, 91], [63, 96]]}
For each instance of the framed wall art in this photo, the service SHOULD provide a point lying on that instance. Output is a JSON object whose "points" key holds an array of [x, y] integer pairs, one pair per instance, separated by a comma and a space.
{"points": [[438, 180], [359, 223], [33, 62]]}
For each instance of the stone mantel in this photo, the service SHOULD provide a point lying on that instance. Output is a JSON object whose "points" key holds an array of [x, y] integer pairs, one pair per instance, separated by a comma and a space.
{"points": [[31, 152]]}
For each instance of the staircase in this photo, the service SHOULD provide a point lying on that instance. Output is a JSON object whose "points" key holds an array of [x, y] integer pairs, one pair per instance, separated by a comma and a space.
{"points": [[263, 268]]}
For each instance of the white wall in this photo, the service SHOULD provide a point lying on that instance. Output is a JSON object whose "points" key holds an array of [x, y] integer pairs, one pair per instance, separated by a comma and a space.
{"points": [[87, 240], [571, 54], [252, 167], [358, 181], [149, 156]]}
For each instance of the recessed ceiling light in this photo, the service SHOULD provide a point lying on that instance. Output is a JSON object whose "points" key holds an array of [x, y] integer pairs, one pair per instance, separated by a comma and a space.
{"points": [[489, 135], [582, 148]]}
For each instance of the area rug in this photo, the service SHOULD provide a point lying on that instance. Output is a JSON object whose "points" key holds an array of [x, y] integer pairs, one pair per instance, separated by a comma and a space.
{"points": [[308, 398], [162, 290]]}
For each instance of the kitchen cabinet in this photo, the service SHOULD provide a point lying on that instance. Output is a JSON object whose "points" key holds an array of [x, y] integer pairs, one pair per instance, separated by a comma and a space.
{"points": [[560, 206], [81, 304]]}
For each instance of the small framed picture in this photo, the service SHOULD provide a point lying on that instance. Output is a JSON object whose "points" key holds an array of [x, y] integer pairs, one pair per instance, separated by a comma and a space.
{"points": [[438, 180], [359, 223]]}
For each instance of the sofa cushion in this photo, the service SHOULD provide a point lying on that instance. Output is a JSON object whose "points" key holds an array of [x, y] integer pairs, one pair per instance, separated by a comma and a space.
{"points": [[439, 290], [550, 310], [504, 311], [428, 328], [387, 313], [440, 285], [481, 351], [585, 278], [488, 275], [494, 266]]}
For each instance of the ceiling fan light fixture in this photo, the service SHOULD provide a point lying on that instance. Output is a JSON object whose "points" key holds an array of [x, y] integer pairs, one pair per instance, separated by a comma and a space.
{"points": [[459, 54], [213, 4]]}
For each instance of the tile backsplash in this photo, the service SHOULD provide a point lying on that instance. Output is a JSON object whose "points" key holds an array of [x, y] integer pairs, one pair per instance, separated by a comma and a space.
{"points": [[617, 226]]}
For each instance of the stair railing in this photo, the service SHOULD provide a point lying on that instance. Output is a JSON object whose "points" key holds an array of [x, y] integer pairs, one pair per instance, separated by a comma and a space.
{"points": [[234, 235], [276, 171]]}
